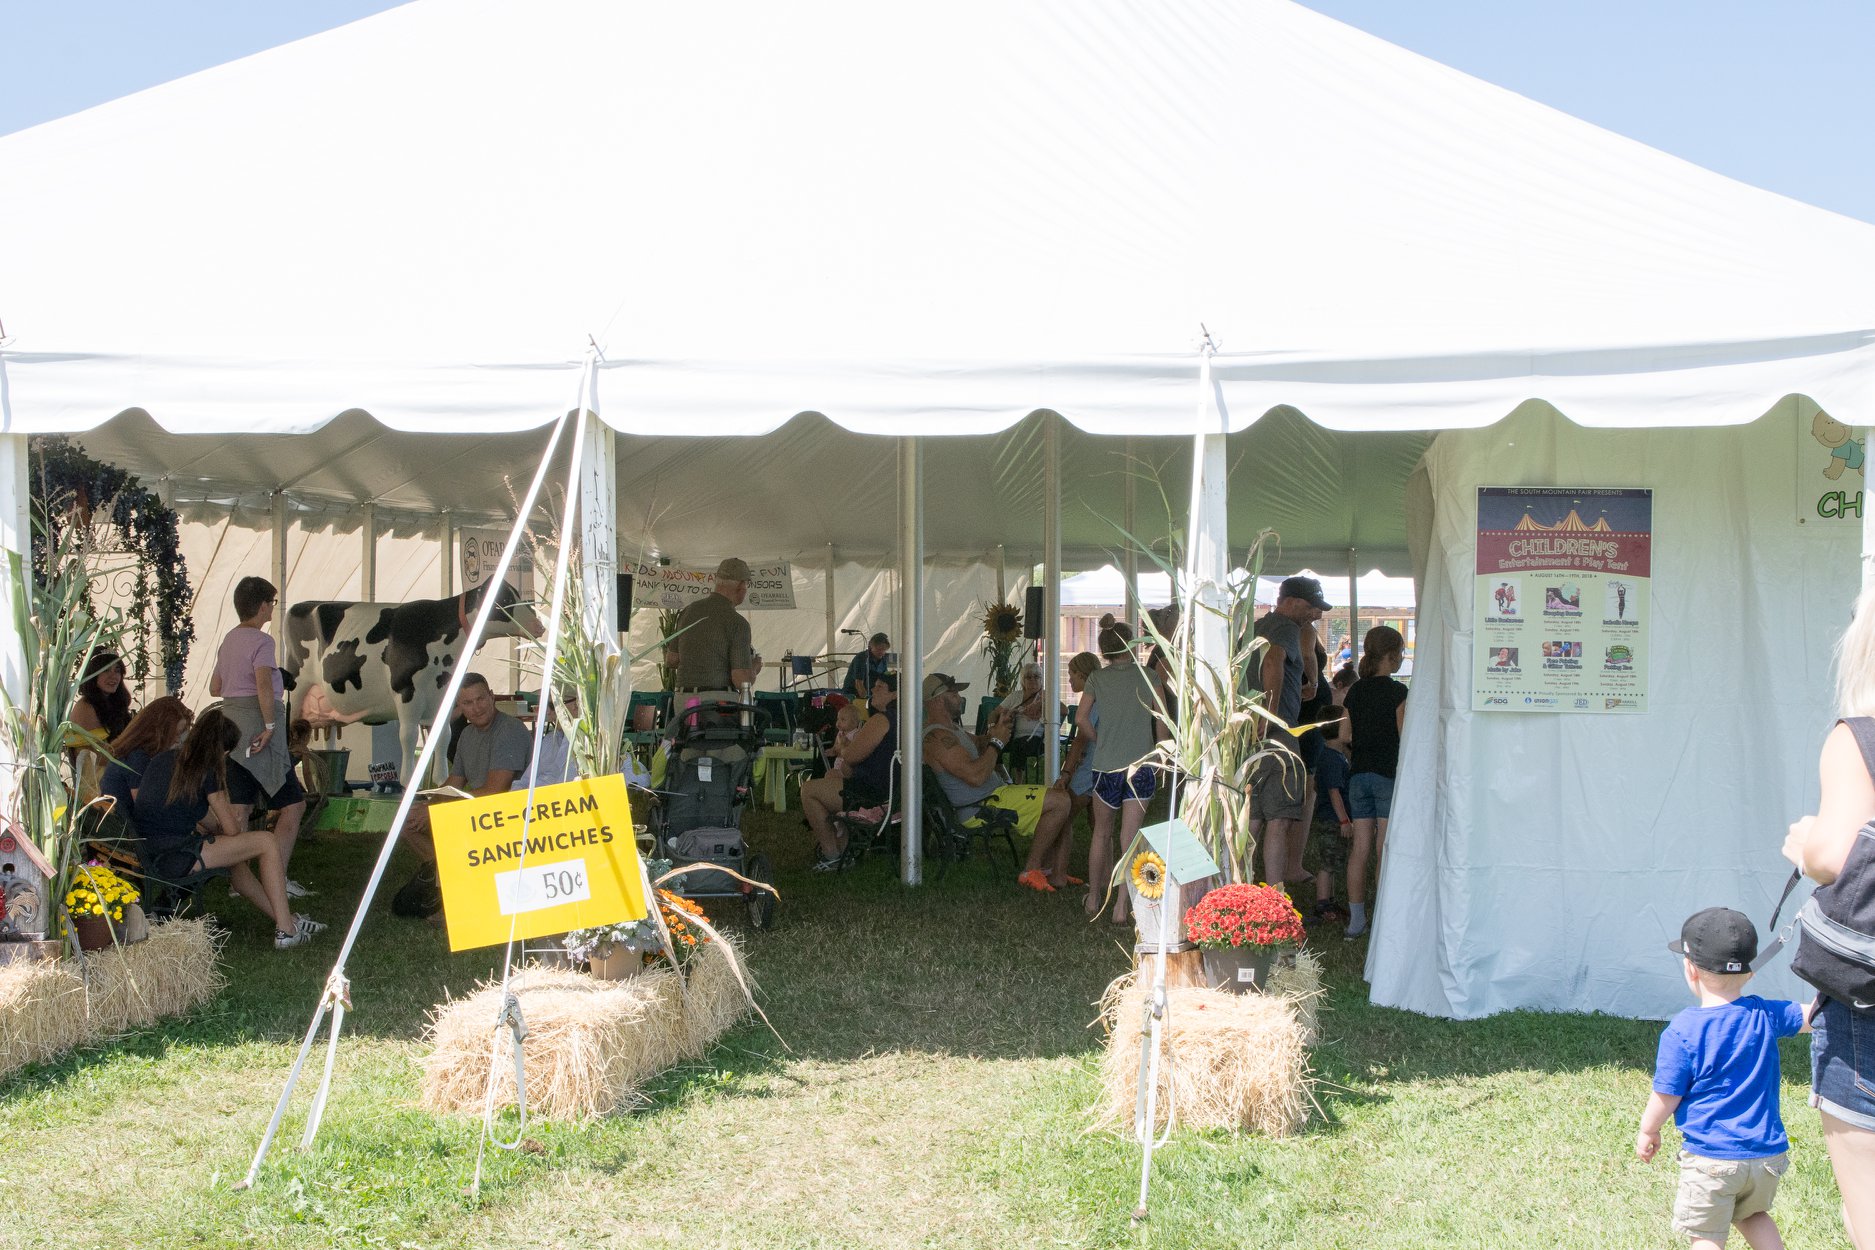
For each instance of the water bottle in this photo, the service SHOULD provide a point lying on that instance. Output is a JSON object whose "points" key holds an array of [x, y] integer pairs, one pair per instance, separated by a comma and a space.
{"points": [[748, 698]]}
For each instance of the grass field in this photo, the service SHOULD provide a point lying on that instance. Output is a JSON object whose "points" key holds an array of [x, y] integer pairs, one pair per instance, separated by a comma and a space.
{"points": [[932, 1091]]}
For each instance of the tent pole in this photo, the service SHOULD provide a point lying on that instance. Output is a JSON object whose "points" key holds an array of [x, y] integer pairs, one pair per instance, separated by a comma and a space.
{"points": [[278, 544], [1002, 573], [1354, 607], [598, 520], [1051, 578], [16, 545], [832, 617], [911, 657], [1129, 550], [449, 554], [368, 553]]}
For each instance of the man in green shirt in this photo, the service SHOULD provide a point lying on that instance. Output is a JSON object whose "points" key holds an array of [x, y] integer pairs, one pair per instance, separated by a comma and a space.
{"points": [[711, 650]]}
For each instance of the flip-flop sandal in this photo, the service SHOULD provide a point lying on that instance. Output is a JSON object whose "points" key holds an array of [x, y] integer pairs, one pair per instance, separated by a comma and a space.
{"points": [[1076, 881]]}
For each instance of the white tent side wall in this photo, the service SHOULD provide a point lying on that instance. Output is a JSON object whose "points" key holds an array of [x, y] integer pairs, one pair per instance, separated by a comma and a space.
{"points": [[1544, 861]]}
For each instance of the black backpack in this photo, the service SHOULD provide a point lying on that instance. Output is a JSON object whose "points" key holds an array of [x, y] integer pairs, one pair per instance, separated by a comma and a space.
{"points": [[1836, 952]]}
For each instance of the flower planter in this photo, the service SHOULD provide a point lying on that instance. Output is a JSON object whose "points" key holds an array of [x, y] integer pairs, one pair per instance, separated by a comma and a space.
{"points": [[94, 932], [1239, 969], [617, 965]]}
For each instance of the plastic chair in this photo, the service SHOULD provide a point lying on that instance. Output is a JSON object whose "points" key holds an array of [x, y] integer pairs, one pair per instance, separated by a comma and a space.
{"points": [[985, 706]]}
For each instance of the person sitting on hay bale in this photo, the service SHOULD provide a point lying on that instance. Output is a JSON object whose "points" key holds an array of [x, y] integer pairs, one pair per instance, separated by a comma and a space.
{"points": [[183, 787]]}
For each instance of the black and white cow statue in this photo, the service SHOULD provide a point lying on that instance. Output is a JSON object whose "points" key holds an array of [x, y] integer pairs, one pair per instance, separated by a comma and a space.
{"points": [[384, 662]]}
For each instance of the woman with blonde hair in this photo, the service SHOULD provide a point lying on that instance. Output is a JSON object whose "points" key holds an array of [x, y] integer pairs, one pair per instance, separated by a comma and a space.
{"points": [[1047, 868], [1836, 849], [1376, 707]]}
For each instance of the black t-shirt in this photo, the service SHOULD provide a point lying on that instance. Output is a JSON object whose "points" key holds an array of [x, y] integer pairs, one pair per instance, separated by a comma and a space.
{"points": [[1373, 703], [158, 820]]}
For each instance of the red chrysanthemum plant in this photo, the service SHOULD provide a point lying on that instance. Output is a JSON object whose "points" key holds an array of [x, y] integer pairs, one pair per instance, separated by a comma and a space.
{"points": [[1238, 916]]}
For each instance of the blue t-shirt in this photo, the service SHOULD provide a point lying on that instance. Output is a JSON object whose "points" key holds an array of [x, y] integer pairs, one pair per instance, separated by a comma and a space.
{"points": [[1722, 1063], [1331, 775]]}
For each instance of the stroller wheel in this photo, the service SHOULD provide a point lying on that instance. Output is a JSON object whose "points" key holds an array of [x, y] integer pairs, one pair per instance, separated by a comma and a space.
{"points": [[761, 902]]}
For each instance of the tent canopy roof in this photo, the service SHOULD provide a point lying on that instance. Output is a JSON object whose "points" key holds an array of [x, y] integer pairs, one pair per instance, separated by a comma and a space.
{"points": [[810, 484], [904, 220]]}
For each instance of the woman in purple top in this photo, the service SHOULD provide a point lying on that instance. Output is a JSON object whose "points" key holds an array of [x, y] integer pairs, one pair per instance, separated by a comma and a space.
{"points": [[247, 681]]}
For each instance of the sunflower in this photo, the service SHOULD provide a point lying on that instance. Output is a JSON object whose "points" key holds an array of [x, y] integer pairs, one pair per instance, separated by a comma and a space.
{"points": [[1149, 874], [1002, 622]]}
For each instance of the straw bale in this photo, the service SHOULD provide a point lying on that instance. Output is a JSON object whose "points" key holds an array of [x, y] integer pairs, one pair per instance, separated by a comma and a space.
{"points": [[170, 973], [591, 1045], [1230, 1061], [42, 1011], [50, 1006]]}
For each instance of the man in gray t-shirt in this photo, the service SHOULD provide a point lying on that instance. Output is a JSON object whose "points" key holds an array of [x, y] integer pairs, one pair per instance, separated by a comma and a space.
{"points": [[1284, 670], [492, 752]]}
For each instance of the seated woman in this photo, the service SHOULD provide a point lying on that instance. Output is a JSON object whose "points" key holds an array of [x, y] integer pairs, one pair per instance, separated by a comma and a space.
{"points": [[1027, 744], [101, 712], [156, 728], [186, 785]]}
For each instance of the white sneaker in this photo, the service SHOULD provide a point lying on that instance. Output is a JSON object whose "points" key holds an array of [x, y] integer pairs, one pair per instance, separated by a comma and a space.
{"points": [[287, 941], [295, 890]]}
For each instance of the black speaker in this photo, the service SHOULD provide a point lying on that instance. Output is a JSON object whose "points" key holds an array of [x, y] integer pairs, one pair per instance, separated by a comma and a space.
{"points": [[624, 598], [1034, 607]]}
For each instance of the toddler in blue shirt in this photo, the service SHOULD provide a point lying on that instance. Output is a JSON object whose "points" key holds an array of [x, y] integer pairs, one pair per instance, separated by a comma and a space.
{"points": [[1717, 1075]]}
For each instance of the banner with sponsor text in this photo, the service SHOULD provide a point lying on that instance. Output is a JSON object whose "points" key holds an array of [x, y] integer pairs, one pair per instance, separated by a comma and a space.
{"points": [[1562, 602], [672, 587]]}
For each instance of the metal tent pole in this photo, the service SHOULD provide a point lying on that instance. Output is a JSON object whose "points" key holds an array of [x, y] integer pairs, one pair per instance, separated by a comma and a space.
{"points": [[911, 656], [1354, 606], [832, 611], [1051, 597], [1129, 551]]}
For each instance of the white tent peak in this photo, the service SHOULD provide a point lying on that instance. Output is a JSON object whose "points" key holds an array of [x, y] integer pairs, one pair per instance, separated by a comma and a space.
{"points": [[904, 219]]}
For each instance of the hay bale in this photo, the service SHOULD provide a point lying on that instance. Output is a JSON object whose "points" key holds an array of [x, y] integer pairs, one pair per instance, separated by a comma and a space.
{"points": [[170, 973], [591, 1045], [42, 1011], [1230, 1061], [48, 1007]]}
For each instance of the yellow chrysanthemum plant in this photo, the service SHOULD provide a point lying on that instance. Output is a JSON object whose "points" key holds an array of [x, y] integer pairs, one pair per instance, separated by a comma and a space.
{"points": [[97, 891]]}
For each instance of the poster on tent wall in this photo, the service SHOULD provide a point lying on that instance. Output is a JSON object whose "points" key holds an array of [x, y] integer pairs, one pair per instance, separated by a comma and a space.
{"points": [[1562, 601], [1830, 471], [672, 587], [481, 555]]}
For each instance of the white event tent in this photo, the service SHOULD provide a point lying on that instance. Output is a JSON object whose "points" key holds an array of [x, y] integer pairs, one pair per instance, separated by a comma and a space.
{"points": [[894, 280]]}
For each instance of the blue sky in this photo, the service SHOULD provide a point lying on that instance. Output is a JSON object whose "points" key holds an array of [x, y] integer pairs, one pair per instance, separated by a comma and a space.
{"points": [[1777, 93]]}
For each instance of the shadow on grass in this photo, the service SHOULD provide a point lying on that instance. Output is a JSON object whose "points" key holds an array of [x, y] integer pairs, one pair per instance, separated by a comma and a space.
{"points": [[857, 965]]}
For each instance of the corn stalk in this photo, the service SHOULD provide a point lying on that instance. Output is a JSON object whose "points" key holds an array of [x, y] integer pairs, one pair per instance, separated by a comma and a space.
{"points": [[1219, 727], [59, 630]]}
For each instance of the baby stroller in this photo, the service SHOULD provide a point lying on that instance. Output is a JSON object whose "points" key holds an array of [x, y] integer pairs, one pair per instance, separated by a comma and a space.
{"points": [[708, 780]]}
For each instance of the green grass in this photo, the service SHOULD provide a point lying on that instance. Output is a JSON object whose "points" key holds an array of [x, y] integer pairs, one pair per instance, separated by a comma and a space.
{"points": [[933, 1090]]}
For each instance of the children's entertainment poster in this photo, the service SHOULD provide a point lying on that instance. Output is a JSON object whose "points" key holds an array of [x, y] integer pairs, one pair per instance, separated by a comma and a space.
{"points": [[1560, 616]]}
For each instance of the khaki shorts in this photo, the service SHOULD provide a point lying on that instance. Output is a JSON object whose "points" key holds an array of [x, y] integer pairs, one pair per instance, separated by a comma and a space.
{"points": [[1717, 1193], [1276, 782]]}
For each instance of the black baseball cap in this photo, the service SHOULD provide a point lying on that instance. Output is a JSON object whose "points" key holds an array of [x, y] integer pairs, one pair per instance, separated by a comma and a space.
{"points": [[1718, 939], [1304, 588]]}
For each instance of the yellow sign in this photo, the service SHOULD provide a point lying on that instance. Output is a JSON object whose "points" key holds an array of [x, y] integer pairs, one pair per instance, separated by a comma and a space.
{"points": [[567, 862]]}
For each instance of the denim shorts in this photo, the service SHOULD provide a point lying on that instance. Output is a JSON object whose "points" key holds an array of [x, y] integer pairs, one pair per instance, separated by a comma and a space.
{"points": [[1370, 796], [1842, 1064], [1117, 787]]}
